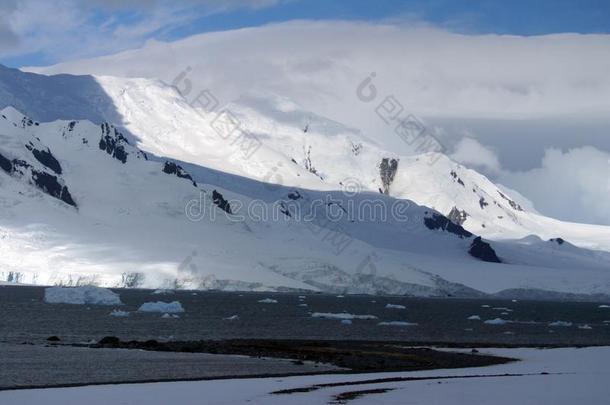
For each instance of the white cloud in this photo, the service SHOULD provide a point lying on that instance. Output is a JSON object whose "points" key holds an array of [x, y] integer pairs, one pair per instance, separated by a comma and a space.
{"points": [[572, 185], [471, 152]]}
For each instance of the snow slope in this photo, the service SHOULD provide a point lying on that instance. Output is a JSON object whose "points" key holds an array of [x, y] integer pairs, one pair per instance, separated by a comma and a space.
{"points": [[173, 197]]}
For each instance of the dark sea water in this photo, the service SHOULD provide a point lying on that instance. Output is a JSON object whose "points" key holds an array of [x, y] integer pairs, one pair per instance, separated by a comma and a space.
{"points": [[25, 317]]}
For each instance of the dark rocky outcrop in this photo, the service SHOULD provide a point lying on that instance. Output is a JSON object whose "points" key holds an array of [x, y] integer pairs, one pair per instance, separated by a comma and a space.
{"points": [[483, 203], [559, 241], [456, 178], [294, 195], [512, 203], [5, 164], [50, 184], [221, 202], [113, 142], [173, 168], [387, 171], [440, 222], [45, 157], [483, 251], [457, 216]]}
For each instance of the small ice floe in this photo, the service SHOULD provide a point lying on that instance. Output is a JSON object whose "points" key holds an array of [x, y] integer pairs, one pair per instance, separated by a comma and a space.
{"points": [[508, 332], [504, 313], [162, 307], [88, 295], [485, 306], [503, 309], [118, 313], [561, 323], [474, 318], [346, 321], [606, 322], [302, 297], [396, 323], [513, 301], [340, 296], [168, 316], [341, 316], [162, 291], [585, 327], [303, 305], [604, 306], [268, 301], [496, 321], [395, 306], [231, 318]]}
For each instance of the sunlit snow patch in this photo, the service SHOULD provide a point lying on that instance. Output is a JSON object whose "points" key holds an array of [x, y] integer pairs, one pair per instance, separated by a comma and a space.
{"points": [[81, 295]]}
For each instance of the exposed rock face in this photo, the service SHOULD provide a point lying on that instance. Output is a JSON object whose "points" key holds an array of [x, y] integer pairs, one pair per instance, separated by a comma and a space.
{"points": [[113, 142], [173, 168], [45, 157], [221, 202], [512, 203], [483, 251], [48, 183], [457, 216], [295, 195], [559, 241], [387, 172], [440, 222], [456, 178], [483, 203], [51, 185]]}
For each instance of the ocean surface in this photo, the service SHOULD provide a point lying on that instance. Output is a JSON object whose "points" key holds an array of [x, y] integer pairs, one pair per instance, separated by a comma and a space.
{"points": [[25, 317]]}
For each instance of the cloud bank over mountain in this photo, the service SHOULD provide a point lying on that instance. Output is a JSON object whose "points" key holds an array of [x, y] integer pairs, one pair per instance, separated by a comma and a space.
{"points": [[513, 98]]}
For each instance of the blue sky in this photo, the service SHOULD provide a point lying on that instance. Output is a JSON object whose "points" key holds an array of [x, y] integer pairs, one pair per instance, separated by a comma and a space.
{"points": [[38, 32]]}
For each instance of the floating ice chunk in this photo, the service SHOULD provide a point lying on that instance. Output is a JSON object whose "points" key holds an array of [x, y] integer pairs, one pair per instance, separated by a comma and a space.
{"points": [[88, 295], [168, 316], [342, 315], [395, 306], [268, 301], [485, 306], [396, 323], [118, 313], [503, 309], [340, 296], [162, 307], [231, 318], [303, 305], [346, 321], [560, 323], [497, 321], [604, 306], [162, 292], [586, 327], [474, 318]]}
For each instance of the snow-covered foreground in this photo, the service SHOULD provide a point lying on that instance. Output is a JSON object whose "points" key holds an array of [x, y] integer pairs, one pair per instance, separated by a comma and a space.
{"points": [[552, 376]]}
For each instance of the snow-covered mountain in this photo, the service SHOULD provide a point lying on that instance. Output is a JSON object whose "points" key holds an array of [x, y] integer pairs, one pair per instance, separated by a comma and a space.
{"points": [[146, 186]]}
